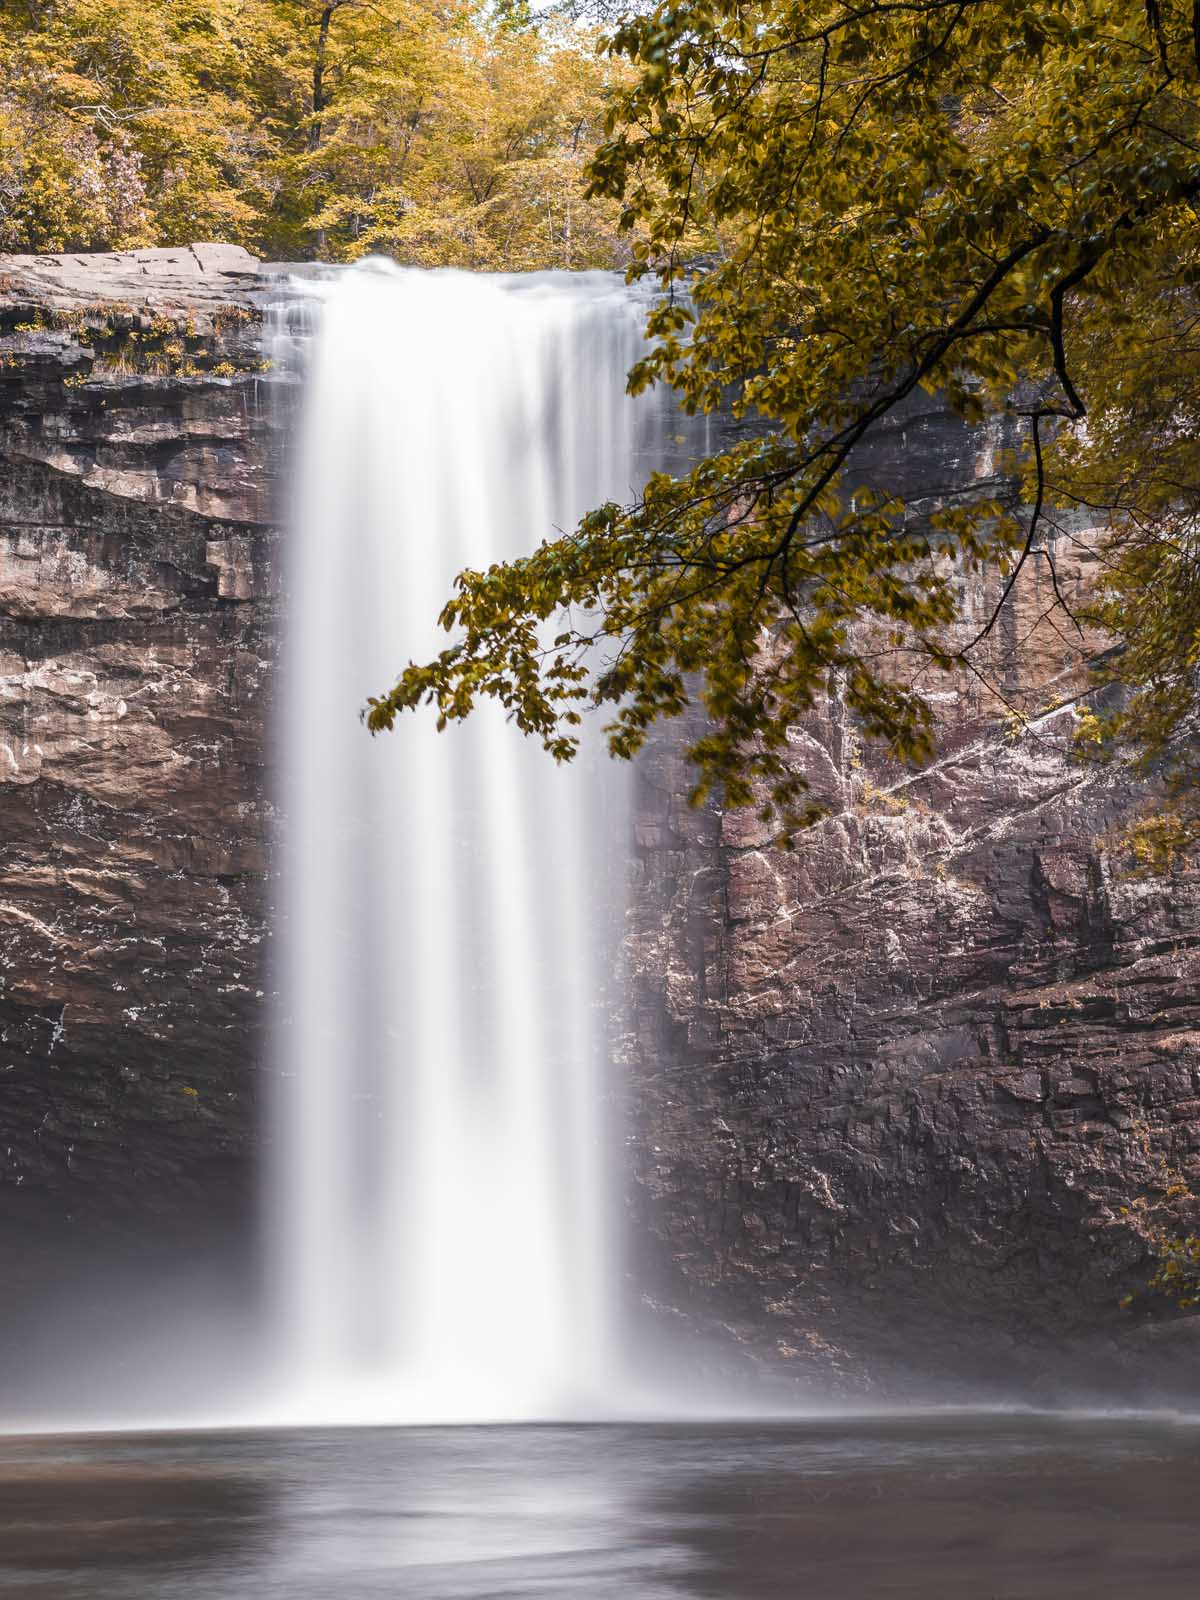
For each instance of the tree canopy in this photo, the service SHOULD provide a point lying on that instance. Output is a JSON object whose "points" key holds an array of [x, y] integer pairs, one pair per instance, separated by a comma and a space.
{"points": [[444, 132], [847, 202]]}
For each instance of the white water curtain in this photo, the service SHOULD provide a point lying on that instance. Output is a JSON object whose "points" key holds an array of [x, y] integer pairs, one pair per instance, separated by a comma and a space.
{"points": [[444, 1177]]}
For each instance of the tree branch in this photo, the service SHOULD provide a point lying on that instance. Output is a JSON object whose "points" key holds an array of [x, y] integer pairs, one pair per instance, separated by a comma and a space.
{"points": [[1031, 534]]}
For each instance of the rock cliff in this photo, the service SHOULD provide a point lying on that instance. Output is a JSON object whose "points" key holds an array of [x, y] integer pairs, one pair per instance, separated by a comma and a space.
{"points": [[913, 1094], [918, 1094], [136, 638]]}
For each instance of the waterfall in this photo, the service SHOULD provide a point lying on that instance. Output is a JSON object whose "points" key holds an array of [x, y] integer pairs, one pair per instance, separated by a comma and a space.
{"points": [[443, 1183]]}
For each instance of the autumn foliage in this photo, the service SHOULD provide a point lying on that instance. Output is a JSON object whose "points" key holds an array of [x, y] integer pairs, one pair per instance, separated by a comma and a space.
{"points": [[434, 130], [844, 203], [848, 203]]}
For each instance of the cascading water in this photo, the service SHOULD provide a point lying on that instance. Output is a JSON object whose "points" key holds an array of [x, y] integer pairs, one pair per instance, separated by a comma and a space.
{"points": [[442, 1184]]}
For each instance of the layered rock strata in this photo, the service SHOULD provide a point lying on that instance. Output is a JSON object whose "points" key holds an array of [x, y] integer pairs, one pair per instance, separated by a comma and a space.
{"points": [[137, 610]]}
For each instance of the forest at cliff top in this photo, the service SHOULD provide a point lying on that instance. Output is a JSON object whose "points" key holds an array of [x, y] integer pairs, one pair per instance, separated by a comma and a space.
{"points": [[443, 133]]}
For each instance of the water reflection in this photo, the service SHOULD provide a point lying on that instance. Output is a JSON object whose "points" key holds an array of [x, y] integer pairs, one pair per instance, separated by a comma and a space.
{"points": [[985, 1508]]}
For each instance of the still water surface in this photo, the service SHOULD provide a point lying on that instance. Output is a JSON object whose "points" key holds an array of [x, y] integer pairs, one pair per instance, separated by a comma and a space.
{"points": [[964, 1508]]}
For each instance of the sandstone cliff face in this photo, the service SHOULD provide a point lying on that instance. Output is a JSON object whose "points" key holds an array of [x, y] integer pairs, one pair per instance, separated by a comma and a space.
{"points": [[136, 640], [924, 1085]]}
